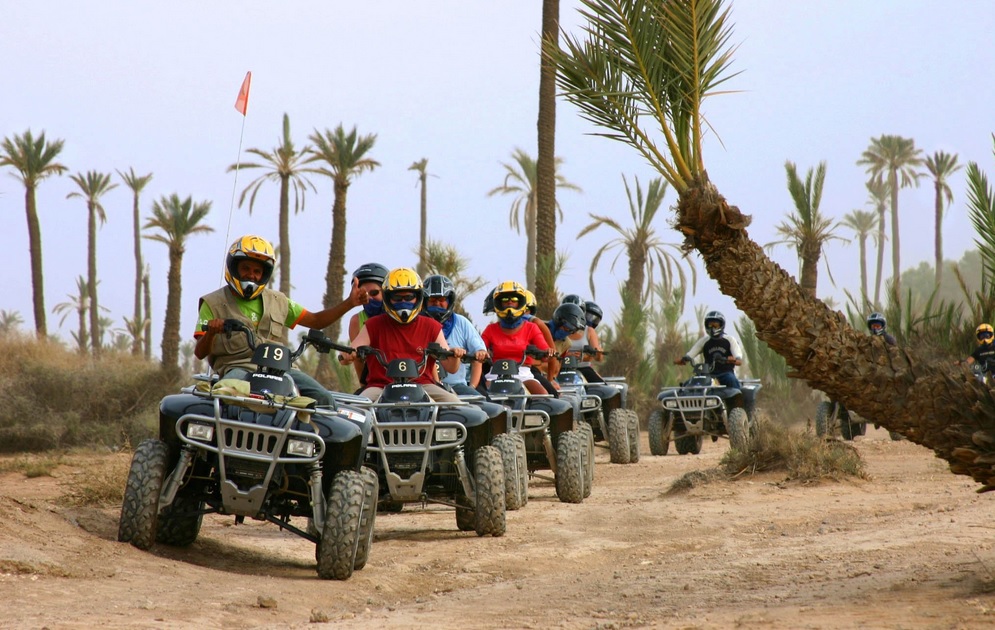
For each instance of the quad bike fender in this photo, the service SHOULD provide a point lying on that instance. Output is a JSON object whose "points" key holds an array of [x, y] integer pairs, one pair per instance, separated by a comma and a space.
{"points": [[479, 429], [561, 413], [612, 397]]}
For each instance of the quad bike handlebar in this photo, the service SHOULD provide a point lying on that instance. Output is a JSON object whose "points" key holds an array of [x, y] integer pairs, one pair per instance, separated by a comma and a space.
{"points": [[314, 337]]}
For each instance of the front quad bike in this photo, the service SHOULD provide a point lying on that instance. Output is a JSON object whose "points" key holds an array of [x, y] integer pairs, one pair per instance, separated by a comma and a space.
{"points": [[700, 406], [250, 446], [601, 403], [554, 438], [429, 452], [831, 415]]}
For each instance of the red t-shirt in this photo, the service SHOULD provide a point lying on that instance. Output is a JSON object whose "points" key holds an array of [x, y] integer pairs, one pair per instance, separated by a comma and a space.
{"points": [[510, 347], [400, 341]]}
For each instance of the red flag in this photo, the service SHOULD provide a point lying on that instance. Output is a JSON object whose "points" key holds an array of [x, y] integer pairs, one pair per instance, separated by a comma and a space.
{"points": [[242, 102]]}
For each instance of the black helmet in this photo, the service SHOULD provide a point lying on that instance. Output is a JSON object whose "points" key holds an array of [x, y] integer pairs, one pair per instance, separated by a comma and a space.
{"points": [[440, 286], [371, 272], [594, 314], [715, 316], [876, 318], [489, 302], [575, 299], [570, 316]]}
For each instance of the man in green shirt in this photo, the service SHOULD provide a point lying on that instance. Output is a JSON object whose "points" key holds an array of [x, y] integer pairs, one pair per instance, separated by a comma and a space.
{"points": [[249, 266]]}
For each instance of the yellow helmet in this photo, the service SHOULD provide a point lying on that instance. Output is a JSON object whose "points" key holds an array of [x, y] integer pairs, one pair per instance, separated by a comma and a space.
{"points": [[510, 301], [985, 333], [249, 247], [530, 302], [403, 281]]}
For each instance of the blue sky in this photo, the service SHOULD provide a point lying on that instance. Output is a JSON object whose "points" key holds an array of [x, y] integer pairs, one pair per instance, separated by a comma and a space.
{"points": [[152, 86]]}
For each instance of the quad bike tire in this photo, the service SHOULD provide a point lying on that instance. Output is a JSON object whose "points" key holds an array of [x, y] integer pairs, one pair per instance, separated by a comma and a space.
{"points": [[523, 468], [368, 517], [179, 524], [660, 425], [689, 444], [489, 487], [340, 537], [140, 508], [506, 445], [634, 446], [390, 507], [618, 436], [825, 423], [570, 474], [587, 433], [895, 436], [466, 518], [739, 429]]}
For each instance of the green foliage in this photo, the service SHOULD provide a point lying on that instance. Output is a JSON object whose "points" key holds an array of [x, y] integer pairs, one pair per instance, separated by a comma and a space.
{"points": [[58, 399], [763, 363]]}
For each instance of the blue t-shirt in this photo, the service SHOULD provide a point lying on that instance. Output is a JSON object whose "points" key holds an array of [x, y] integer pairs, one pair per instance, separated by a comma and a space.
{"points": [[463, 335]]}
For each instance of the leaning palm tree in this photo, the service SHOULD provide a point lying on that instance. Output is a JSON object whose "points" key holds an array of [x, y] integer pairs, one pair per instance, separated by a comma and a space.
{"points": [[137, 184], [879, 192], [521, 180], [806, 228], [176, 220], [344, 158], [645, 251], [897, 159], [941, 165], [34, 160], [546, 167], [92, 187], [863, 224], [285, 164], [420, 167], [641, 72]]}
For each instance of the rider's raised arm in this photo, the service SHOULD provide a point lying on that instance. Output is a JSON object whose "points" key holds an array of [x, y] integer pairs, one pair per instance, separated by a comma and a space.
{"points": [[696, 348]]}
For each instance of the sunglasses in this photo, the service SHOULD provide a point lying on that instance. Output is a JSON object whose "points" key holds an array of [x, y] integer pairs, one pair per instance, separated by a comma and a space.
{"points": [[402, 297], [509, 301], [985, 335], [373, 292]]}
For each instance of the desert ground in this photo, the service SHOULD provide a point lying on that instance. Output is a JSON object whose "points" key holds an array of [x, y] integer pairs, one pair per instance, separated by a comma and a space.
{"points": [[909, 547]]}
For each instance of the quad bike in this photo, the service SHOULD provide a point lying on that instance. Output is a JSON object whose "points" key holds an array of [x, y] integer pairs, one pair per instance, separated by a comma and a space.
{"points": [[831, 415], [250, 446], [700, 406], [430, 452], [554, 438], [602, 407]]}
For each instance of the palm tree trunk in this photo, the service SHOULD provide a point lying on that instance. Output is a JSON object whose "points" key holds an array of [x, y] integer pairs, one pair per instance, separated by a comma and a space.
{"points": [[147, 294], [863, 268], [91, 278], [545, 245], [335, 273], [637, 276], [37, 277], [136, 343], [934, 404], [939, 232], [423, 232], [530, 243], [810, 273], [171, 327], [83, 340], [895, 263], [880, 270], [285, 235]]}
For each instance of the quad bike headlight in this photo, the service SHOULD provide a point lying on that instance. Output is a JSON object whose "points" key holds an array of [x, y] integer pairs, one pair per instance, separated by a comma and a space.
{"points": [[670, 404], [301, 448], [588, 403], [533, 420], [201, 432], [446, 434]]}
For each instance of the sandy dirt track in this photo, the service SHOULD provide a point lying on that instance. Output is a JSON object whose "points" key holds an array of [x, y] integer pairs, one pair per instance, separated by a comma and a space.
{"points": [[909, 548]]}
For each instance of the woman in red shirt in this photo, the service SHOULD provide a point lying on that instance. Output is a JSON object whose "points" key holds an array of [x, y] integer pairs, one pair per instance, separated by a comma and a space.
{"points": [[507, 338]]}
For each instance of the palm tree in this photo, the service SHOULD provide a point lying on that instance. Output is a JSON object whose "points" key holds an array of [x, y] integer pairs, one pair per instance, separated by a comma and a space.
{"points": [[137, 184], [79, 304], [898, 159], [521, 179], [147, 306], [92, 187], [546, 166], [285, 165], [941, 165], [34, 160], [659, 60], [344, 157], [10, 321], [806, 228], [420, 167], [644, 249], [863, 224], [176, 219], [879, 192], [444, 259]]}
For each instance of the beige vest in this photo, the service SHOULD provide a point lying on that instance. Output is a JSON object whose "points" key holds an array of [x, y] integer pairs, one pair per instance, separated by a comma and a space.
{"points": [[233, 351]]}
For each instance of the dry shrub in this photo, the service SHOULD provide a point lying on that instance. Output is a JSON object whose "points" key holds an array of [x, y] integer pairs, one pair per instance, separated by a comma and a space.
{"points": [[802, 455], [31, 465], [56, 398], [693, 479], [99, 484]]}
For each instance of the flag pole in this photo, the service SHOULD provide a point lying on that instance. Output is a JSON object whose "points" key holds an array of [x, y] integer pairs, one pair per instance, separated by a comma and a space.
{"points": [[242, 106]]}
